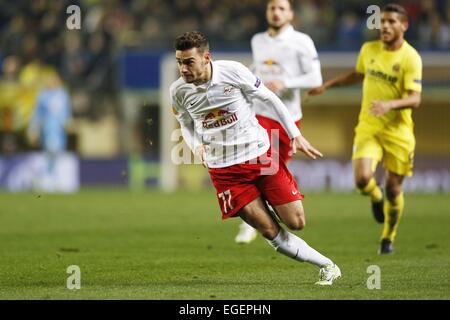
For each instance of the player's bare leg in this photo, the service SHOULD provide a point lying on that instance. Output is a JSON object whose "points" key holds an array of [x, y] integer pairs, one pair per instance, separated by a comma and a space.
{"points": [[293, 219], [393, 210], [286, 243], [292, 215], [256, 215], [363, 170]]}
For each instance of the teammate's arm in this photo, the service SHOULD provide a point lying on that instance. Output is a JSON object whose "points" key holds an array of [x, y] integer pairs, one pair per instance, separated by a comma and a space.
{"points": [[313, 78], [311, 75], [310, 64], [345, 79]]}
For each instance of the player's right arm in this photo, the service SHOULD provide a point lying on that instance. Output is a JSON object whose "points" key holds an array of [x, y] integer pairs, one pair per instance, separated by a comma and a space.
{"points": [[346, 79], [187, 127]]}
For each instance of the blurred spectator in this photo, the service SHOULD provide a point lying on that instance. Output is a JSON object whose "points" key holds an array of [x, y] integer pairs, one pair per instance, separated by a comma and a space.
{"points": [[10, 120], [53, 110], [99, 80], [31, 80], [154, 23], [33, 33], [13, 35], [350, 31], [435, 33], [75, 59], [48, 125]]}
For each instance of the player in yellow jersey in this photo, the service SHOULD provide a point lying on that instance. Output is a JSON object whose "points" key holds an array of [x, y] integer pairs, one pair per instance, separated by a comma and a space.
{"points": [[391, 71]]}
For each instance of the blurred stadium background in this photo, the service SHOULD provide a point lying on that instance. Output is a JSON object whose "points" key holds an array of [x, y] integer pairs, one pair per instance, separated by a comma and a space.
{"points": [[117, 68]]}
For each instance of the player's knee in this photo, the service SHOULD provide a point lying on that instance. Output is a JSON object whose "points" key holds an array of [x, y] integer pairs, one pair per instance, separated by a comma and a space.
{"points": [[269, 231], [362, 180], [298, 223], [392, 191]]}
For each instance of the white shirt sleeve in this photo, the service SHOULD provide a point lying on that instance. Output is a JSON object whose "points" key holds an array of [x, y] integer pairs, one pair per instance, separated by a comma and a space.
{"points": [[188, 132], [310, 65], [253, 88]]}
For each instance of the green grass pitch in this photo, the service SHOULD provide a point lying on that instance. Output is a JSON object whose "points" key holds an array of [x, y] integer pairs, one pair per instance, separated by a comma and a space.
{"points": [[152, 245]]}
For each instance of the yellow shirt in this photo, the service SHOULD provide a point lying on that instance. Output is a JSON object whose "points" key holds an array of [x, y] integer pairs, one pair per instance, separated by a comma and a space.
{"points": [[388, 75], [9, 95], [32, 78]]}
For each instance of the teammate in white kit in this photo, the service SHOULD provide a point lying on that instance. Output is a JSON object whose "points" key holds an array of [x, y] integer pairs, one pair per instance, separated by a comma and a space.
{"points": [[213, 102], [286, 61]]}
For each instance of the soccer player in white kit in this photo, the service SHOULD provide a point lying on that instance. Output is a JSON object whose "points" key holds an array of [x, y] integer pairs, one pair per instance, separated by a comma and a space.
{"points": [[286, 61], [213, 102]]}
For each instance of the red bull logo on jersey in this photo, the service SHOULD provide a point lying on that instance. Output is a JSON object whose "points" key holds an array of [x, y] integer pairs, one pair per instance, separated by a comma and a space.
{"points": [[218, 118]]}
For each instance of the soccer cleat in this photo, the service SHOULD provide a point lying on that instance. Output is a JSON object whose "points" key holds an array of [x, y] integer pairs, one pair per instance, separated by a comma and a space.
{"points": [[378, 211], [246, 234], [386, 247], [328, 274]]}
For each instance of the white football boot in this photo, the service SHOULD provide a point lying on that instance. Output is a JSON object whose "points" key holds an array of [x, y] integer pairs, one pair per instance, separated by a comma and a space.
{"points": [[328, 274], [246, 234]]}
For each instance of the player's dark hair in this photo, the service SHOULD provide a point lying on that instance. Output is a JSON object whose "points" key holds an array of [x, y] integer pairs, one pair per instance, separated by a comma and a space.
{"points": [[291, 3], [394, 7], [192, 39]]}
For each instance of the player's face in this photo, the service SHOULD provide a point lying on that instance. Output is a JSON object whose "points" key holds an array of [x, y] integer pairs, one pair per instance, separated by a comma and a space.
{"points": [[193, 64], [279, 13], [392, 27]]}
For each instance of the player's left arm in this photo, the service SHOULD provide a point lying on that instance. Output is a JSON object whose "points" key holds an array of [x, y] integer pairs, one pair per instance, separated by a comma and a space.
{"points": [[412, 101], [413, 86], [254, 88]]}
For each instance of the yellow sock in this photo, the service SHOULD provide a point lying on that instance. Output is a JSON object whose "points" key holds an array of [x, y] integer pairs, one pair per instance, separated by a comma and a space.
{"points": [[372, 190], [392, 215]]}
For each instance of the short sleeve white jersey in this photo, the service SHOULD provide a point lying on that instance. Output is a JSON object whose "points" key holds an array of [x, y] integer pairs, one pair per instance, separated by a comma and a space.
{"points": [[220, 114], [291, 57]]}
